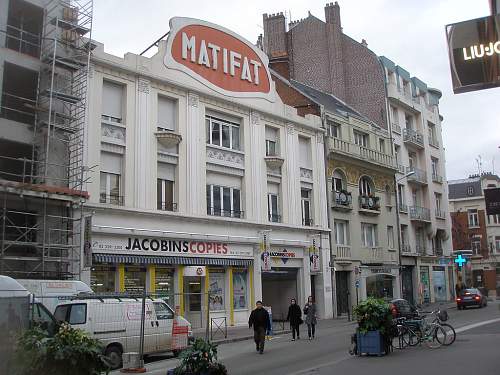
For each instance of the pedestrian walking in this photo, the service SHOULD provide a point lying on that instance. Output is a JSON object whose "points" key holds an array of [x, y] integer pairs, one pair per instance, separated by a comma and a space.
{"points": [[259, 320], [295, 318], [310, 314]]}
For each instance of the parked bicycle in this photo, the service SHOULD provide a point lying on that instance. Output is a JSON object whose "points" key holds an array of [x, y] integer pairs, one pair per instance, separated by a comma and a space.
{"points": [[441, 316], [416, 331]]}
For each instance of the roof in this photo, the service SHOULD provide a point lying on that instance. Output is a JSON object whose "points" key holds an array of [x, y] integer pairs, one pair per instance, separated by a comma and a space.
{"points": [[467, 188]]}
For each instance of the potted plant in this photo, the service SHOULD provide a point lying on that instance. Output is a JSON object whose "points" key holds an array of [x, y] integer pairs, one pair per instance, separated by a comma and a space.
{"points": [[69, 352], [374, 323], [200, 358]]}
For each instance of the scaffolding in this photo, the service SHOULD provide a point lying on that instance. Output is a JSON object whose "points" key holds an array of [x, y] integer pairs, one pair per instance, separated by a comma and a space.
{"points": [[43, 194]]}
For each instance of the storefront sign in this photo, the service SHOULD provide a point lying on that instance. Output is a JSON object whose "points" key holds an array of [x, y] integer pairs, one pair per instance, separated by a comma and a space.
{"points": [[218, 58], [314, 257], [265, 256], [168, 247], [195, 271], [381, 270], [492, 199], [474, 52], [87, 242]]}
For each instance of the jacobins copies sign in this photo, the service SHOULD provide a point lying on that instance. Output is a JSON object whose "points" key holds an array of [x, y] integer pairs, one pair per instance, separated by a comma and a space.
{"points": [[492, 199], [218, 58], [474, 52]]}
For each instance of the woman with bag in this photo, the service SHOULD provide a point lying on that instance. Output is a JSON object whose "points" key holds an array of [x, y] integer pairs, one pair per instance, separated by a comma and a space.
{"points": [[310, 314], [295, 318]]}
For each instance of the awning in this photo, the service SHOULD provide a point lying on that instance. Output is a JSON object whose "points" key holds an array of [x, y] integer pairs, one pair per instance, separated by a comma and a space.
{"points": [[154, 259]]}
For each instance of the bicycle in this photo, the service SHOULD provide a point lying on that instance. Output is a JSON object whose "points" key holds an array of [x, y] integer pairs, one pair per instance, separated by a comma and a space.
{"points": [[431, 333], [440, 317]]}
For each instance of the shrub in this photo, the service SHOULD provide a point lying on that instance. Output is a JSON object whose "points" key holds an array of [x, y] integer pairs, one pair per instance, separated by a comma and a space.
{"points": [[373, 315], [200, 358], [69, 352]]}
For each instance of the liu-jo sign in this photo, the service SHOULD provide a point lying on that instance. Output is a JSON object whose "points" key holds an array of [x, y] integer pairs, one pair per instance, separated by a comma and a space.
{"points": [[218, 58]]}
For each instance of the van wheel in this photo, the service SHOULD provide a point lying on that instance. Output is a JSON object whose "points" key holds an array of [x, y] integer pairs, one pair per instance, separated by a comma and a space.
{"points": [[114, 354]]}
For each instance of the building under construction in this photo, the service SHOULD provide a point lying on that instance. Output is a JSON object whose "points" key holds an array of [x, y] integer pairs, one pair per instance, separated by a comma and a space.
{"points": [[44, 65]]}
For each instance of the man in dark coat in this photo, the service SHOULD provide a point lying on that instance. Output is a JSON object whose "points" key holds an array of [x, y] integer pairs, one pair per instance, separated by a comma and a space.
{"points": [[295, 318], [259, 320]]}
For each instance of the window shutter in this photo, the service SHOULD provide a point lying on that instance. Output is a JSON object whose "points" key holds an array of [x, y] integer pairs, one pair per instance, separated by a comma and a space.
{"points": [[112, 99], [166, 113], [111, 163]]}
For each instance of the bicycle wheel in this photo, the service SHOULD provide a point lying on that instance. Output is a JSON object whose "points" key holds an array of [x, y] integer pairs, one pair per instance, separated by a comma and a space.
{"points": [[414, 336], [435, 336], [450, 334], [401, 341]]}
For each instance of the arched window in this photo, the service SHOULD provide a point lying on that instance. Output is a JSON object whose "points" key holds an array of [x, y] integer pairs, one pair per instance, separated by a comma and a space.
{"points": [[365, 186], [338, 181]]}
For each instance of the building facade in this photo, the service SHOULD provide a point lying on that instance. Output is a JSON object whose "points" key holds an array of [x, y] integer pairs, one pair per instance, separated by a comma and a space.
{"points": [[474, 233], [207, 186], [425, 226], [44, 57]]}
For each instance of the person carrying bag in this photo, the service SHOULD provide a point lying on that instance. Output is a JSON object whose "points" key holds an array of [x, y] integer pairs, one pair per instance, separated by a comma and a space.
{"points": [[295, 318]]}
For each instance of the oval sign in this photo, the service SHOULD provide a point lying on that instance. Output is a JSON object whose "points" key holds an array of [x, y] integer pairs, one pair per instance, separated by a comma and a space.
{"points": [[217, 58]]}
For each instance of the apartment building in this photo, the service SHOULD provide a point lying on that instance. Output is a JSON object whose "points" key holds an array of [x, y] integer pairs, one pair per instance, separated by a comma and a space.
{"points": [[474, 233], [44, 57], [425, 225], [207, 183]]}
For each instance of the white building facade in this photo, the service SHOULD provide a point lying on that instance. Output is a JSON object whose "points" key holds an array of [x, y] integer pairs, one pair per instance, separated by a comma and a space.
{"points": [[206, 189], [425, 224]]}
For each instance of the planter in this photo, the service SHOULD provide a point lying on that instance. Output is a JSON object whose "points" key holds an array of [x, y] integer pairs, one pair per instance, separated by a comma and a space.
{"points": [[370, 343]]}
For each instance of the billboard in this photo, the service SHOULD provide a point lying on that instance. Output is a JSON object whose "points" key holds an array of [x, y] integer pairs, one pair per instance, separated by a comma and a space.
{"points": [[474, 53], [492, 199]]}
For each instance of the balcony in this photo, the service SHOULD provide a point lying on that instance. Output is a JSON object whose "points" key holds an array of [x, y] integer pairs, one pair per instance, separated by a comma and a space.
{"points": [[433, 142], [437, 178], [167, 206], [168, 138], [369, 205], [403, 208], [419, 176], [396, 128], [116, 200], [362, 153], [376, 254], [274, 218], [307, 222], [342, 201], [420, 214], [216, 211], [274, 161], [343, 254], [420, 249], [412, 137], [440, 215]]}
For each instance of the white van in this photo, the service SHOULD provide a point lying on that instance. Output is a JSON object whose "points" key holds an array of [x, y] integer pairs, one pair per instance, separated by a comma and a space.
{"points": [[53, 292], [116, 322]]}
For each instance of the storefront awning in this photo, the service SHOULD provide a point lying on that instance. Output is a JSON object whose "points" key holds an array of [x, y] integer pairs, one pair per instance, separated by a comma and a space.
{"points": [[159, 260]]}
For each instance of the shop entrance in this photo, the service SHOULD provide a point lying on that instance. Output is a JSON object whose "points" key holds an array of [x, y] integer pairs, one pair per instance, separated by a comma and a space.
{"points": [[278, 287], [342, 291], [193, 300], [439, 282], [407, 282]]}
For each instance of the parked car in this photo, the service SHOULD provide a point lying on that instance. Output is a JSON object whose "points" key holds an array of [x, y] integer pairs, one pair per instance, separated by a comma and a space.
{"points": [[116, 322], [401, 308], [471, 297], [53, 292]]}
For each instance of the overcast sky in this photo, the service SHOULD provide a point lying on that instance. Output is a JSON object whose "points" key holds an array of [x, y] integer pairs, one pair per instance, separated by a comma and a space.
{"points": [[409, 32]]}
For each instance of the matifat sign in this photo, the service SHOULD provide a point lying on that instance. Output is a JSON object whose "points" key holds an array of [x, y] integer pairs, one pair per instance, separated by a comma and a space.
{"points": [[218, 58]]}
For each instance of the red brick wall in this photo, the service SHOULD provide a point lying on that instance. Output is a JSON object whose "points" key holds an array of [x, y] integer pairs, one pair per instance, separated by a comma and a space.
{"points": [[490, 281], [462, 234], [295, 99]]}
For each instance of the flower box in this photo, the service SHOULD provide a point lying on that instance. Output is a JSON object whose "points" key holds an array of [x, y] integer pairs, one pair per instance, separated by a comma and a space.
{"points": [[370, 343]]}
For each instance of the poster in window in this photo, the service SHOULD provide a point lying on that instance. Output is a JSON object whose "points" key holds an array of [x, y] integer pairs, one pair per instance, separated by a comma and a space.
{"points": [[216, 291], [240, 290]]}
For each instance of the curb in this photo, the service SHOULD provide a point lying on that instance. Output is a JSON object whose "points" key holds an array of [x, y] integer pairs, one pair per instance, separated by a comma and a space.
{"points": [[244, 338]]}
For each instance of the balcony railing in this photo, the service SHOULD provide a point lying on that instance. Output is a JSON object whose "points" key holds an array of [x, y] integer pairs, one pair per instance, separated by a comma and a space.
{"points": [[274, 218], [361, 152], [167, 206], [440, 214], [376, 254], [433, 142], [403, 208], [405, 248], [437, 178], [413, 137], [371, 203], [117, 200], [420, 213], [343, 253], [419, 176], [216, 211], [342, 200], [396, 128], [401, 169], [307, 222], [420, 249]]}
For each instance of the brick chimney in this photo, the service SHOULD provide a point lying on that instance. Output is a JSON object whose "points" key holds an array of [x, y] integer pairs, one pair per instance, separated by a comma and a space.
{"points": [[274, 34], [332, 14], [335, 54]]}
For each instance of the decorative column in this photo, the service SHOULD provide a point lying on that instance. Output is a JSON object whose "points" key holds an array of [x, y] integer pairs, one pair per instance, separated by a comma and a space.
{"points": [[194, 161], [291, 177], [256, 185]]}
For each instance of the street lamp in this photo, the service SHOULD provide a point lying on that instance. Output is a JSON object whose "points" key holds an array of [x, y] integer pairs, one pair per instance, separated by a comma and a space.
{"points": [[411, 173]]}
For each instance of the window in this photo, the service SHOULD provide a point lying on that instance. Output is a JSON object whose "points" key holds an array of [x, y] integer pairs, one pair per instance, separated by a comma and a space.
{"points": [[78, 314], [341, 228], [412, 160], [432, 133], [476, 246], [223, 133], [167, 114], [470, 190], [365, 186], [401, 195], [473, 218], [394, 115], [368, 235], [112, 102], [408, 122], [164, 284], [434, 166], [163, 312], [404, 238], [381, 144], [240, 288], [271, 148], [165, 195], [223, 201], [415, 197], [334, 129], [272, 208], [397, 155], [305, 195], [494, 219], [305, 155], [437, 199], [110, 189], [390, 237], [102, 278], [216, 289], [361, 139], [337, 181], [497, 244]]}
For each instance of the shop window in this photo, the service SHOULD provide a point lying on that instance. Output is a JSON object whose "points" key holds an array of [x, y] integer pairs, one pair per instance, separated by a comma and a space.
{"points": [[240, 289], [164, 285], [223, 133], [216, 289], [380, 286], [135, 279], [102, 279], [223, 201]]}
